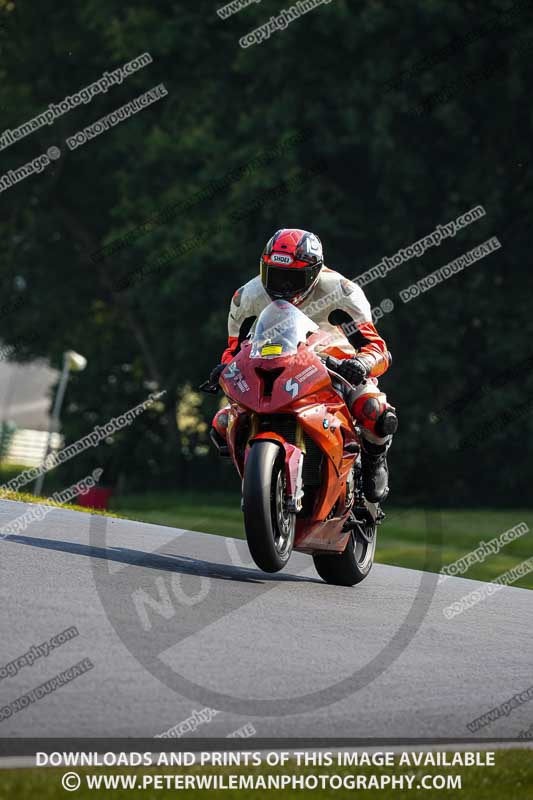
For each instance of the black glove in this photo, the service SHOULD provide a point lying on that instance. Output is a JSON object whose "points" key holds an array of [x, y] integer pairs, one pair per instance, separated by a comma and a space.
{"points": [[354, 370], [216, 373], [211, 385]]}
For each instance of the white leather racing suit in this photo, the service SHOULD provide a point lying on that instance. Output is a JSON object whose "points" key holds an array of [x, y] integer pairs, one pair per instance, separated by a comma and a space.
{"points": [[333, 302]]}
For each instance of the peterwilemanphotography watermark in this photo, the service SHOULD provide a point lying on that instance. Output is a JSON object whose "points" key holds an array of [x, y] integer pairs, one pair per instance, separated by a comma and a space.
{"points": [[224, 12], [486, 590], [62, 678], [418, 248], [483, 551], [38, 511], [37, 651], [81, 97], [98, 435], [116, 117], [449, 270]]}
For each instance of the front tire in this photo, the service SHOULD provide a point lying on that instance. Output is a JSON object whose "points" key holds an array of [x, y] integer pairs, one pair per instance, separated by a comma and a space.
{"points": [[268, 524], [353, 565]]}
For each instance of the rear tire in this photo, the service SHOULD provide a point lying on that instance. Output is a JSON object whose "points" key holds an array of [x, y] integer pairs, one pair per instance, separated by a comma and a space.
{"points": [[269, 525], [353, 565]]}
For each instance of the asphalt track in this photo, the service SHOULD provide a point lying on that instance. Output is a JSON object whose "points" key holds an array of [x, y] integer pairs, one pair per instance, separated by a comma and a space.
{"points": [[152, 602]]}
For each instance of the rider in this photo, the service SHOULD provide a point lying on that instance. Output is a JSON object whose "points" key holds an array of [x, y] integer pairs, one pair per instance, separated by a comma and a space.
{"points": [[292, 268]]}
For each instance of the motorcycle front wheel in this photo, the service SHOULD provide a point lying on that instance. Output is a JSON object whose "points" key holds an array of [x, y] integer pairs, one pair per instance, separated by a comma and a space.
{"points": [[268, 523]]}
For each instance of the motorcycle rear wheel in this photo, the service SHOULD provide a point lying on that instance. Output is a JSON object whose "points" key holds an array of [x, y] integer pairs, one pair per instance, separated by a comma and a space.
{"points": [[268, 524], [353, 565]]}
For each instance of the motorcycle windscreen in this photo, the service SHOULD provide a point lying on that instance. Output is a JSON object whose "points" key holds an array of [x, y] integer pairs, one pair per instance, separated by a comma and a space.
{"points": [[279, 330]]}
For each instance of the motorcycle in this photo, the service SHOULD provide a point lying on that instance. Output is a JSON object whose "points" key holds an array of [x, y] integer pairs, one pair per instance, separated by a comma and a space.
{"points": [[297, 450]]}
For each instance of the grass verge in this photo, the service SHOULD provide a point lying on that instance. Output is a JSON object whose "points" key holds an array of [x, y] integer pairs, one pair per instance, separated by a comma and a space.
{"points": [[412, 538], [511, 777], [24, 497]]}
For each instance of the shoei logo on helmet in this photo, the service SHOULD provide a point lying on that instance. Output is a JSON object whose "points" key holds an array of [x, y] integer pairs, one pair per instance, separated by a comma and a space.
{"points": [[277, 258]]}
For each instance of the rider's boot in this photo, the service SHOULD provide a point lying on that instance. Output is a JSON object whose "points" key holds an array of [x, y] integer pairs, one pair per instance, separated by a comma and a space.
{"points": [[375, 470]]}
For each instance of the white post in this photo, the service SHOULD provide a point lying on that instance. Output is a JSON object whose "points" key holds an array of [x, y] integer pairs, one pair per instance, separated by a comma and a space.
{"points": [[54, 419], [76, 362]]}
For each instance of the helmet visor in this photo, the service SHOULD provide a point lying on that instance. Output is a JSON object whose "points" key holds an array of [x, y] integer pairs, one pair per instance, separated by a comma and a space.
{"points": [[283, 283]]}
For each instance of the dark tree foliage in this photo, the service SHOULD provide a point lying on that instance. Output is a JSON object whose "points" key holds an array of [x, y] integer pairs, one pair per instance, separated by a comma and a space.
{"points": [[369, 123]]}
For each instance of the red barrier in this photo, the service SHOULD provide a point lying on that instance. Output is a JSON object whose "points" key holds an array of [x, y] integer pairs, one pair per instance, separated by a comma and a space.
{"points": [[95, 498]]}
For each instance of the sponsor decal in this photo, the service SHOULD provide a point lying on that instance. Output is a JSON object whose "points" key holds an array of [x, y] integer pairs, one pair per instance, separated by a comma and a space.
{"points": [[279, 258], [232, 371], [271, 350], [306, 373], [292, 387]]}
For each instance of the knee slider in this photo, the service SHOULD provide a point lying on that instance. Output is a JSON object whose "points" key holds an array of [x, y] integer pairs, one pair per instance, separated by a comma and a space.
{"points": [[220, 422], [387, 423]]}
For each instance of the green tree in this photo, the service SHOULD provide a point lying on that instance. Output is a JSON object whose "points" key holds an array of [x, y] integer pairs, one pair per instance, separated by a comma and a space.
{"points": [[414, 116]]}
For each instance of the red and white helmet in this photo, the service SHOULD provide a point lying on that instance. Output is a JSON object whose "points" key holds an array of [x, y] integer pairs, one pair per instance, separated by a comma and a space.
{"points": [[291, 264]]}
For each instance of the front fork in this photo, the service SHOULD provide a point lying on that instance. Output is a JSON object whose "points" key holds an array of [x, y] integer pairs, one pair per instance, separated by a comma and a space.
{"points": [[294, 461]]}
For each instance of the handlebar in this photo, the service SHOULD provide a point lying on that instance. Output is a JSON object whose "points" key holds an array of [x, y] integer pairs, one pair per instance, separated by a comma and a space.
{"points": [[209, 388], [212, 388]]}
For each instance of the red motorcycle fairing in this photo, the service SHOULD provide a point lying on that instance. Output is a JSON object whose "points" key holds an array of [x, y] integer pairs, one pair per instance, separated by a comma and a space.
{"points": [[268, 385], [261, 390]]}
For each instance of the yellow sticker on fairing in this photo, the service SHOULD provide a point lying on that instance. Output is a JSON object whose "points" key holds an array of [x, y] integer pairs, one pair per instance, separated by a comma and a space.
{"points": [[271, 350]]}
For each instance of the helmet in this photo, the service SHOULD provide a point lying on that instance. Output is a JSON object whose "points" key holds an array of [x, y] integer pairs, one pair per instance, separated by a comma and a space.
{"points": [[291, 264]]}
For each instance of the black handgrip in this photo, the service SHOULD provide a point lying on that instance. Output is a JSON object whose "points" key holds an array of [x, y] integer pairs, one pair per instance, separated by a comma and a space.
{"points": [[209, 388], [333, 363]]}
